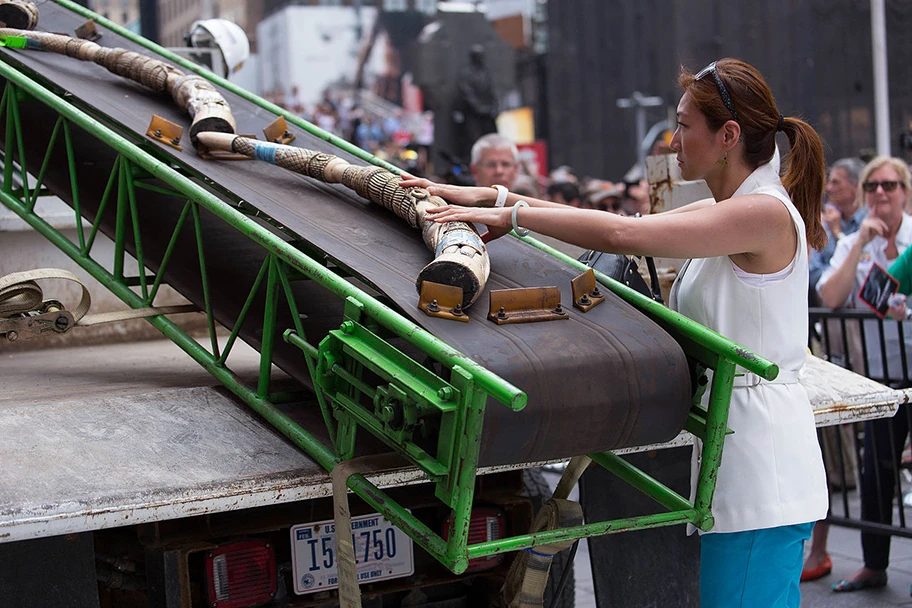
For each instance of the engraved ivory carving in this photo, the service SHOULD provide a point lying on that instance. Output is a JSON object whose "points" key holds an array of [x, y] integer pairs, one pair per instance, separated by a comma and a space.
{"points": [[19, 14], [460, 257], [196, 95]]}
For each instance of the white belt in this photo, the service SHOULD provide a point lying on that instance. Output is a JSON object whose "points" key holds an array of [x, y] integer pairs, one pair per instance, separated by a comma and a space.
{"points": [[751, 379]]}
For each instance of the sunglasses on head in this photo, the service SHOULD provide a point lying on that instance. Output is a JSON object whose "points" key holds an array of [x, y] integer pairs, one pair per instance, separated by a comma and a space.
{"points": [[723, 92], [888, 186]]}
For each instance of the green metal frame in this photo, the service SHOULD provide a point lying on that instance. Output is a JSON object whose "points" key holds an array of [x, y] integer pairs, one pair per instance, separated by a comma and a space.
{"points": [[407, 393]]}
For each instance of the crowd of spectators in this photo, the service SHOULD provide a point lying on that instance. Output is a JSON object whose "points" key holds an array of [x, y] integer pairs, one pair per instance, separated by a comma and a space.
{"points": [[401, 137], [621, 197], [495, 159], [628, 196], [866, 216]]}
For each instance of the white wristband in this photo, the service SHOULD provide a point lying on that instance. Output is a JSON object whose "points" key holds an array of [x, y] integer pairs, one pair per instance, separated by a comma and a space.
{"points": [[501, 195], [519, 231]]}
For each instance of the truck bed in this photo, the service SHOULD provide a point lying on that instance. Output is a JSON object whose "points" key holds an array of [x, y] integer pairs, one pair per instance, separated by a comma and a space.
{"points": [[103, 436]]}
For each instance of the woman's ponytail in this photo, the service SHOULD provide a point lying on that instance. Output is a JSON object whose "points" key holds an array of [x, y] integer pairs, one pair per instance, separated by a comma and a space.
{"points": [[805, 176]]}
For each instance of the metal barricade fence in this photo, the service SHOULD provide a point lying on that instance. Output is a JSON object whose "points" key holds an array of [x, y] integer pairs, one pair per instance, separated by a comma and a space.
{"points": [[864, 461]]}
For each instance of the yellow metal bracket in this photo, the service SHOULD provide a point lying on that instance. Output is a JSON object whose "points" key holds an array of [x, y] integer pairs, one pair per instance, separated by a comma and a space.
{"points": [[586, 293], [443, 301], [165, 131], [88, 31], [526, 305], [277, 132]]}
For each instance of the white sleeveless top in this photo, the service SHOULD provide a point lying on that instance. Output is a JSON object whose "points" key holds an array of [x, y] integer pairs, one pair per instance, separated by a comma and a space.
{"points": [[772, 472]]}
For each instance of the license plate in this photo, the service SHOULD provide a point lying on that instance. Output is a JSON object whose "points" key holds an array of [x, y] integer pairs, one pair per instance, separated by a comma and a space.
{"points": [[382, 552]]}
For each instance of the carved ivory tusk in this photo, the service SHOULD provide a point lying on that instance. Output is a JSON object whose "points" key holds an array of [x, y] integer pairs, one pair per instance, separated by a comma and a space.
{"points": [[196, 95], [460, 258]]}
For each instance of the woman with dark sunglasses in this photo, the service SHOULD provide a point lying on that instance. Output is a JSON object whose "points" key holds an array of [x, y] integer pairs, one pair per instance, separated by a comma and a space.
{"points": [[747, 279], [884, 238], [884, 234]]}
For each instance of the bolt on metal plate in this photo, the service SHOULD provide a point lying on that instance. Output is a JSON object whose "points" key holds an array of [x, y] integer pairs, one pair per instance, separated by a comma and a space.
{"points": [[277, 132], [526, 305], [445, 301], [586, 293], [165, 132], [88, 31]]}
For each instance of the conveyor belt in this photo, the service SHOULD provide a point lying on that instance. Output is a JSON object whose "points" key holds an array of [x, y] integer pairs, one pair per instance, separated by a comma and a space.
{"points": [[607, 379]]}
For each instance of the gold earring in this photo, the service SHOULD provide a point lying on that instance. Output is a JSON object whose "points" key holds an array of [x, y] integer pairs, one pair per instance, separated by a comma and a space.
{"points": [[724, 161]]}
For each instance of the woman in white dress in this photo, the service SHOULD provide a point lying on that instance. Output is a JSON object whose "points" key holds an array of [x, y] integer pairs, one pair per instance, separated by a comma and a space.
{"points": [[747, 279]]}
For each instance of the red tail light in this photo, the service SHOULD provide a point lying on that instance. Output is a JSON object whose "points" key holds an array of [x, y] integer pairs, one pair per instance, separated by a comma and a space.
{"points": [[487, 523], [241, 574]]}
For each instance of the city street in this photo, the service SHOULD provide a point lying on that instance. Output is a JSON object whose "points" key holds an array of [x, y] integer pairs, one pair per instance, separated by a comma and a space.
{"points": [[471, 241], [845, 552]]}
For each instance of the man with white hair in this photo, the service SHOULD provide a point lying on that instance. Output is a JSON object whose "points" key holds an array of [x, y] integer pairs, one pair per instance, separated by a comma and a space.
{"points": [[494, 161], [842, 213]]}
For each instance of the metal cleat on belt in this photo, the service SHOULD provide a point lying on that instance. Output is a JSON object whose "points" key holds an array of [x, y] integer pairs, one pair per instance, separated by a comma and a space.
{"points": [[526, 305], [88, 31], [586, 293], [277, 132], [165, 131], [445, 301]]}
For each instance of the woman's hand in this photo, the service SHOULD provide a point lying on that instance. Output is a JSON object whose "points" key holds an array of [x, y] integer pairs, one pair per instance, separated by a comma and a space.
{"points": [[497, 219], [870, 228], [469, 196], [897, 309], [898, 313], [832, 217]]}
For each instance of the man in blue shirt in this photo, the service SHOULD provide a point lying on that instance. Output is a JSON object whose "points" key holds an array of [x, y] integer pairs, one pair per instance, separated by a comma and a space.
{"points": [[842, 215]]}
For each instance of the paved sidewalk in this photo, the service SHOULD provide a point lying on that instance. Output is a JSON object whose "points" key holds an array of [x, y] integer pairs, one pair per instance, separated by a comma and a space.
{"points": [[845, 552]]}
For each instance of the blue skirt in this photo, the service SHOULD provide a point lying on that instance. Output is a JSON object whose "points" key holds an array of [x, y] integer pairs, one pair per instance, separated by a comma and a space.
{"points": [[756, 568]]}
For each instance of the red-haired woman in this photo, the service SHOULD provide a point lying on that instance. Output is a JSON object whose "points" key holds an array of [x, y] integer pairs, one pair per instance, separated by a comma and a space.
{"points": [[746, 279]]}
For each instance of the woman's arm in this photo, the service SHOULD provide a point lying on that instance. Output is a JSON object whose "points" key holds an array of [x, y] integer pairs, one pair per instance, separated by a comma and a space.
{"points": [[755, 224], [838, 285], [471, 196], [700, 204], [475, 196]]}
